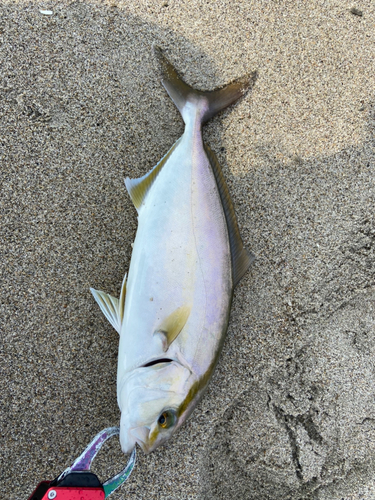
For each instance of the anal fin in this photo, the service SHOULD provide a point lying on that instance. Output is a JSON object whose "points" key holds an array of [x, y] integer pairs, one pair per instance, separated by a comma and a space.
{"points": [[241, 257]]}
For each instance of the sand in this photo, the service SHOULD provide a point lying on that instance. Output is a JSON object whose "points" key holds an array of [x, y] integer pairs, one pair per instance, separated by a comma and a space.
{"points": [[290, 412]]}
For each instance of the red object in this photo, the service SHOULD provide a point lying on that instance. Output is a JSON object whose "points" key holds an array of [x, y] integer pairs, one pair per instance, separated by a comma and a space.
{"points": [[45, 492], [78, 482], [67, 493]]}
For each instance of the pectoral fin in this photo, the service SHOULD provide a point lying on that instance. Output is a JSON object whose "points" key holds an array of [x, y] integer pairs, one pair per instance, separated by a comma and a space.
{"points": [[112, 308], [170, 328]]}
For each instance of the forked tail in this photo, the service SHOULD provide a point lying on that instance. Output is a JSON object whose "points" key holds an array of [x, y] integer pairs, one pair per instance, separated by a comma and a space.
{"points": [[210, 102]]}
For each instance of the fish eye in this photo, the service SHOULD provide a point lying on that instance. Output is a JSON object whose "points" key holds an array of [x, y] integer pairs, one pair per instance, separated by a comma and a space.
{"points": [[167, 419]]}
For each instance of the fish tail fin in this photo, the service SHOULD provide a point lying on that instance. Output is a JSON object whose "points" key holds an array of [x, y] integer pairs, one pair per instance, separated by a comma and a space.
{"points": [[207, 103]]}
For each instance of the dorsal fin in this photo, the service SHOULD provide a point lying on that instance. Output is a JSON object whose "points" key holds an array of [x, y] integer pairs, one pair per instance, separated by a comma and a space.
{"points": [[171, 326], [241, 258], [138, 188], [112, 308]]}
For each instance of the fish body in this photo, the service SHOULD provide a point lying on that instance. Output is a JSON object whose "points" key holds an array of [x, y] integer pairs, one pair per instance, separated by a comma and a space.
{"points": [[173, 312]]}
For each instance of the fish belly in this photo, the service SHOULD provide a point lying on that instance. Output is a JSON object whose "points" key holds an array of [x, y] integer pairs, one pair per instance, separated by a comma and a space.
{"points": [[181, 257]]}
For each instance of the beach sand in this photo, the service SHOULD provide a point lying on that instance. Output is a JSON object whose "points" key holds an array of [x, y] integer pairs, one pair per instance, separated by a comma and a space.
{"points": [[290, 412]]}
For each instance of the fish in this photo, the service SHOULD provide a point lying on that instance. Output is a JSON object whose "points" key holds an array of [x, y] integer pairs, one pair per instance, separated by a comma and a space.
{"points": [[173, 311]]}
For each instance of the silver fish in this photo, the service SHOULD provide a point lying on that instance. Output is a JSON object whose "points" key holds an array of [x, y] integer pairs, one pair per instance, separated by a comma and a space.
{"points": [[173, 311]]}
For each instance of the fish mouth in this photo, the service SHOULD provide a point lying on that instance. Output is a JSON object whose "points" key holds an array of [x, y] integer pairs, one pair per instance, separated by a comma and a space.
{"points": [[157, 362]]}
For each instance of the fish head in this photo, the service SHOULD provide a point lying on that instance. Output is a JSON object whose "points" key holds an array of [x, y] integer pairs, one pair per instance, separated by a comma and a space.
{"points": [[150, 400]]}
